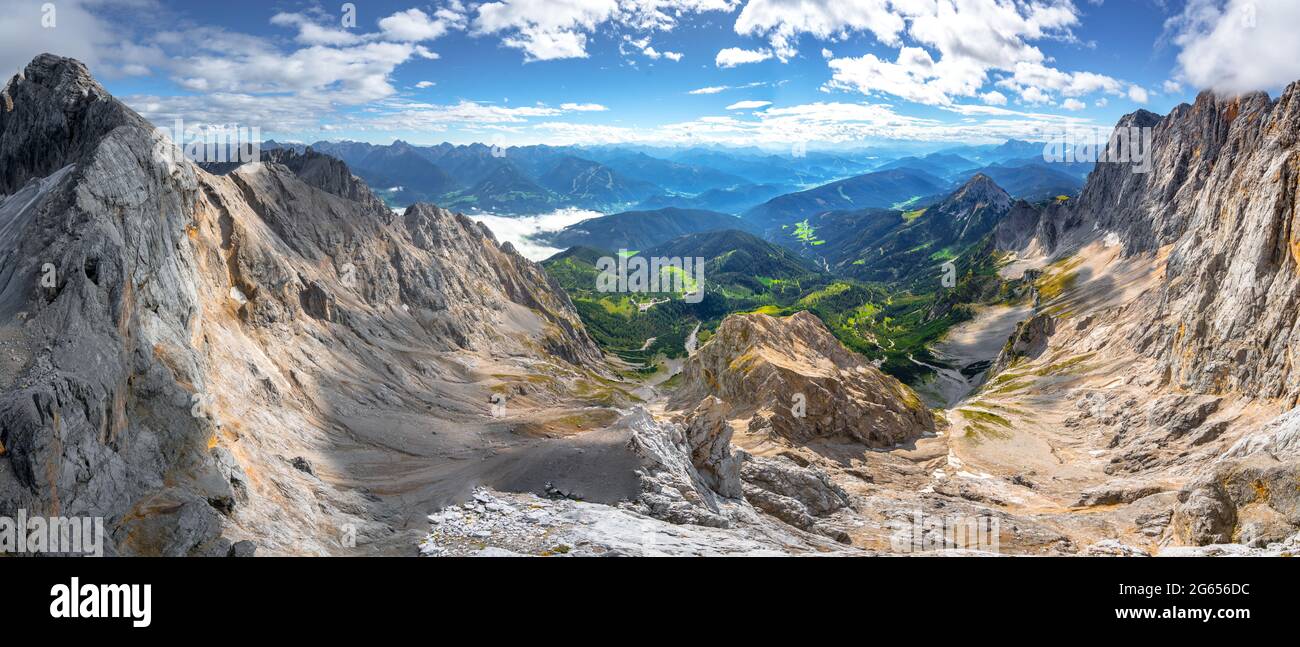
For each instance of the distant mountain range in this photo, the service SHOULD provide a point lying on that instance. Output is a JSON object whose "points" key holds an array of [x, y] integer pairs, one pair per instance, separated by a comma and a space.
{"points": [[879, 189], [523, 180], [770, 189]]}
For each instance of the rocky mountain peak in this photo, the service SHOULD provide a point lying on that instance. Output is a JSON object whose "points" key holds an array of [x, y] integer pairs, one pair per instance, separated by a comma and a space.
{"points": [[52, 113], [791, 378], [203, 327], [979, 189], [54, 72]]}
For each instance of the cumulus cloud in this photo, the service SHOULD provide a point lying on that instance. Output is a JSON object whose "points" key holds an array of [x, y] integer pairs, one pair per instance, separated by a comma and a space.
{"points": [[350, 75], [947, 49], [914, 76], [748, 105], [994, 98], [1034, 96], [733, 56], [1137, 94], [782, 21], [78, 33], [557, 29], [1073, 104], [311, 33], [231, 77], [413, 25], [1236, 46]]}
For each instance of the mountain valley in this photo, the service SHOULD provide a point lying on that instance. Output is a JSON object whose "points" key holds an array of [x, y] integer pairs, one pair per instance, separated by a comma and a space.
{"points": [[322, 351]]}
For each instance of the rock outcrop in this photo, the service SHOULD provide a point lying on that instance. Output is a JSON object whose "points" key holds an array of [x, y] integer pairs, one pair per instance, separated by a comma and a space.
{"points": [[792, 379], [690, 474], [1250, 494], [798, 495], [1029, 340]]}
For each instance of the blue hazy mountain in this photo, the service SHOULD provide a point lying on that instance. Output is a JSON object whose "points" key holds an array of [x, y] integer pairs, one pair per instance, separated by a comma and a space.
{"points": [[639, 230], [733, 200], [897, 187]]}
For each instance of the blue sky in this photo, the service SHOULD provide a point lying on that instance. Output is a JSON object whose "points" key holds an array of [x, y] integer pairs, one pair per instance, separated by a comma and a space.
{"points": [[766, 72]]}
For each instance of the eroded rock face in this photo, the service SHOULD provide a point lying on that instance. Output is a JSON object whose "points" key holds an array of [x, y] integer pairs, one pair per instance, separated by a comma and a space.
{"points": [[1028, 340], [1222, 193], [1250, 495], [792, 378], [680, 469], [168, 332], [708, 435], [797, 495], [690, 474]]}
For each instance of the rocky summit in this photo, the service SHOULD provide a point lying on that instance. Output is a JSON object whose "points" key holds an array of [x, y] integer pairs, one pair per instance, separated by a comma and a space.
{"points": [[789, 377]]}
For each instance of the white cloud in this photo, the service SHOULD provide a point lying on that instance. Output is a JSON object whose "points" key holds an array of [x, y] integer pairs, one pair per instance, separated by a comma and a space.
{"points": [[1070, 84], [522, 231], [1137, 94], [733, 56], [994, 98], [913, 76], [715, 89], [782, 21], [643, 44], [1073, 104], [555, 29], [1102, 102], [78, 33], [238, 78], [390, 116], [1237, 46], [349, 75], [1172, 87], [413, 25], [748, 105], [955, 45], [1034, 96], [310, 33], [281, 113], [822, 122]]}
